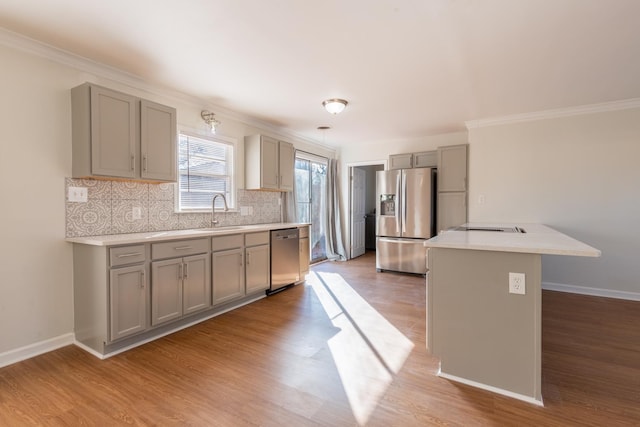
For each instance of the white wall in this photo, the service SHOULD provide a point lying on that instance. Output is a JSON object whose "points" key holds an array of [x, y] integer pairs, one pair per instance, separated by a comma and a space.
{"points": [[35, 156], [374, 152], [579, 175], [36, 302]]}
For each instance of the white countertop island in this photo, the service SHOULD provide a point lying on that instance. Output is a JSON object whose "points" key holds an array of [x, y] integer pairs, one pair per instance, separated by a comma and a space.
{"points": [[537, 239], [484, 334]]}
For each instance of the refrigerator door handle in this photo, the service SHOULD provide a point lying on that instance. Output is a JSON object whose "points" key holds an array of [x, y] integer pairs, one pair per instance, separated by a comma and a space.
{"points": [[400, 241], [404, 202], [399, 202]]}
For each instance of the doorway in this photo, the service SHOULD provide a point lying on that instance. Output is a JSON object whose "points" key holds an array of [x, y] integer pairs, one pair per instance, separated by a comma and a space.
{"points": [[311, 190], [362, 207]]}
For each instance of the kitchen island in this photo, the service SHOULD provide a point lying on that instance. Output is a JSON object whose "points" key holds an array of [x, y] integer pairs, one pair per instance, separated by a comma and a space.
{"points": [[483, 322]]}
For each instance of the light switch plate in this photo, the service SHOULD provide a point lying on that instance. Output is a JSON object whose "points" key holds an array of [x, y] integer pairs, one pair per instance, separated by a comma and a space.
{"points": [[77, 194]]}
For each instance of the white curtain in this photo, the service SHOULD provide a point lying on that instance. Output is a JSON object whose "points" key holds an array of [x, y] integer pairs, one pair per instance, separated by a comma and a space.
{"points": [[289, 205], [333, 225]]}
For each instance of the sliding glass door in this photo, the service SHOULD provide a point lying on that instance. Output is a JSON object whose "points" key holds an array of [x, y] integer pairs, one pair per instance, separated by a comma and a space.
{"points": [[311, 206]]}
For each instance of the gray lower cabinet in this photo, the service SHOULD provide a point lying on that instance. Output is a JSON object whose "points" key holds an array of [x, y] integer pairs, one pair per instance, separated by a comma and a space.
{"points": [[228, 275], [257, 262], [257, 268], [127, 301], [305, 253], [179, 287]]}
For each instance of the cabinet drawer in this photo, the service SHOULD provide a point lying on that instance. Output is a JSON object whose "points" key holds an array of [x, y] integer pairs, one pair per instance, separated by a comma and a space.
{"points": [[227, 242], [126, 255], [179, 248], [253, 239], [304, 232]]}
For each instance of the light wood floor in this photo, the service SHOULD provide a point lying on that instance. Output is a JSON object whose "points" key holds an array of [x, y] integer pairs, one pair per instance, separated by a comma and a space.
{"points": [[345, 349]]}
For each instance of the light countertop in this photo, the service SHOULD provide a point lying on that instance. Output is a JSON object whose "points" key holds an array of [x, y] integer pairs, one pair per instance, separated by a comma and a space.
{"points": [[538, 239], [155, 236]]}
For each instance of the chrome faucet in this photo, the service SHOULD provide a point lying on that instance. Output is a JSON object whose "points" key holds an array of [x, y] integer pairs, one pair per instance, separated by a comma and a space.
{"points": [[214, 221]]}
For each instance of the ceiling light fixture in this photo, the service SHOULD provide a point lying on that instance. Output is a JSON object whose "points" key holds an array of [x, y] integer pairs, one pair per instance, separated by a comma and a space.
{"points": [[334, 105], [210, 119]]}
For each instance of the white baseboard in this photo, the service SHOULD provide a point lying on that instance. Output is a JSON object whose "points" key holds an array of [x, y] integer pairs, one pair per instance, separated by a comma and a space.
{"points": [[596, 292], [32, 350], [490, 388]]}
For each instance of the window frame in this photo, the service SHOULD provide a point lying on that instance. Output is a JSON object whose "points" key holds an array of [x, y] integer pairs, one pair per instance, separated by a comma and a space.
{"points": [[232, 164]]}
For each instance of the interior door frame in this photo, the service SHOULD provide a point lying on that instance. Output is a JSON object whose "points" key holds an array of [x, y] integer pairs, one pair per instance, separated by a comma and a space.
{"points": [[350, 167]]}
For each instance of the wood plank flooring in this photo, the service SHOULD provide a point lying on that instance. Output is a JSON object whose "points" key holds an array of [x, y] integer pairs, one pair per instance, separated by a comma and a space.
{"points": [[345, 349]]}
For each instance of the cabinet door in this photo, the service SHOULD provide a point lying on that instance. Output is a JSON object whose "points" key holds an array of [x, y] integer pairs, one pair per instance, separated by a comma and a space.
{"points": [[400, 161], [304, 257], [452, 210], [269, 163], [113, 133], [257, 268], [157, 141], [425, 159], [196, 284], [228, 275], [127, 301], [286, 156], [166, 290], [452, 168]]}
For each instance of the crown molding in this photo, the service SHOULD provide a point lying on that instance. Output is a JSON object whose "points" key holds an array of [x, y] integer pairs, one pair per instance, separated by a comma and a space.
{"points": [[25, 44], [556, 113]]}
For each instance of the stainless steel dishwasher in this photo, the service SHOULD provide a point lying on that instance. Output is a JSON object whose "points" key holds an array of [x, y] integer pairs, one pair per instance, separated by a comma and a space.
{"points": [[285, 261]]}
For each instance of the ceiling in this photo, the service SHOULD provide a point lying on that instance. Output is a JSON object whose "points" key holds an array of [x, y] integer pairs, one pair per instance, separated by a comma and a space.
{"points": [[409, 68]]}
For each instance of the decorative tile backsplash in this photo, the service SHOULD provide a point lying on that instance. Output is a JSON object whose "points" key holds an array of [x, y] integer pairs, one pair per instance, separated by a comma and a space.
{"points": [[110, 205]]}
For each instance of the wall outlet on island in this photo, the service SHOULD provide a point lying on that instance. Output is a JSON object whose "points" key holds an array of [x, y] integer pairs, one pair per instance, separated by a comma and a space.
{"points": [[516, 283]]}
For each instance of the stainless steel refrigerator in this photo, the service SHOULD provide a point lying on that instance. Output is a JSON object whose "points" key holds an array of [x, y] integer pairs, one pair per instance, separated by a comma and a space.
{"points": [[405, 218]]}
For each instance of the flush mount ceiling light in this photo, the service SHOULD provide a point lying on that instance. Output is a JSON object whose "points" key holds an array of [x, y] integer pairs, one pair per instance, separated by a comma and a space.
{"points": [[334, 105], [210, 119]]}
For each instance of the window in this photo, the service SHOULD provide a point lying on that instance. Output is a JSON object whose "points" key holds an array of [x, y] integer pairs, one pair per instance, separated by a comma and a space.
{"points": [[205, 167], [311, 189]]}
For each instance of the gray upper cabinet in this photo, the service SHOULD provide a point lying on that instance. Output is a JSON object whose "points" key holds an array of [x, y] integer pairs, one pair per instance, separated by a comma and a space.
{"points": [[269, 164], [401, 161], [157, 141], [452, 168], [286, 159], [424, 159], [121, 136]]}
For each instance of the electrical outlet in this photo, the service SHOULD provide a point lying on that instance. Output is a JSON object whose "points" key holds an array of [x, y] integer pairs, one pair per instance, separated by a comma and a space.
{"points": [[77, 194], [136, 213], [516, 283]]}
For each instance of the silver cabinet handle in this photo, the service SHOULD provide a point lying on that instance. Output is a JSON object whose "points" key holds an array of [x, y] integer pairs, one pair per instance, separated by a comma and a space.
{"points": [[144, 162], [248, 259], [133, 162], [186, 270], [129, 254], [142, 279], [180, 270], [182, 248]]}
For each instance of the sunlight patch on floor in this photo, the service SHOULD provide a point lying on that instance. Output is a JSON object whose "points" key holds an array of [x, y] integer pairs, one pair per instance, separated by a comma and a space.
{"points": [[367, 351]]}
